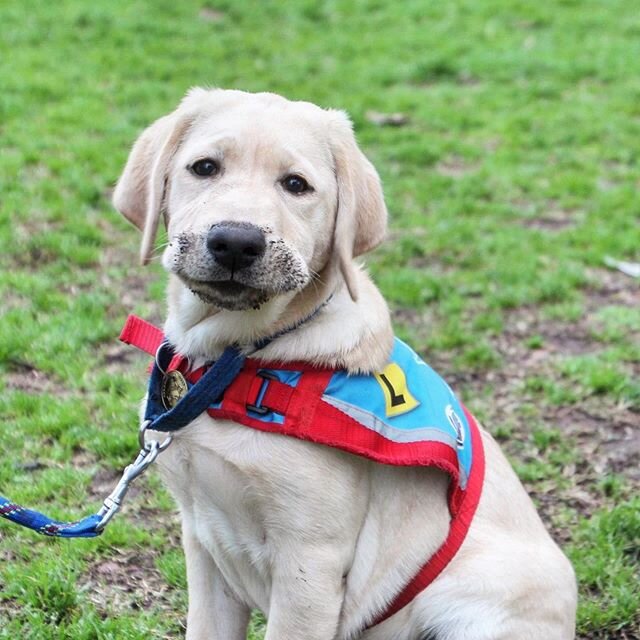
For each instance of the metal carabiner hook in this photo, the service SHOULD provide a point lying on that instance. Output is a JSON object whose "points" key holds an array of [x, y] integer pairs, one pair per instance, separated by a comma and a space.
{"points": [[149, 451], [143, 441]]}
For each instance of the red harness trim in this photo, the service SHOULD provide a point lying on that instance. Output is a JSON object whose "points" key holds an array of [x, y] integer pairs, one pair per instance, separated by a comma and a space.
{"points": [[142, 334], [309, 418], [460, 523]]}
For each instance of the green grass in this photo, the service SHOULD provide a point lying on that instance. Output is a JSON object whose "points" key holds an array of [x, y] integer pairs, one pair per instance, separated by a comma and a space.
{"points": [[516, 173], [610, 575]]}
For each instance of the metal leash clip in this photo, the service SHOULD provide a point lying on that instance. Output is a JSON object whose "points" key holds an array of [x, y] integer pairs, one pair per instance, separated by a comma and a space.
{"points": [[149, 451]]}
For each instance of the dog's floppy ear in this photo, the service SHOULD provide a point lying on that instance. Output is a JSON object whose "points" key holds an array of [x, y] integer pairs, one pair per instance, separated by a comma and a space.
{"points": [[140, 191], [361, 218]]}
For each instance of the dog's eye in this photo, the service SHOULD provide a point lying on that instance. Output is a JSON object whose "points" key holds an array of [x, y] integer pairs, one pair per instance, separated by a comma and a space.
{"points": [[205, 167], [295, 184]]}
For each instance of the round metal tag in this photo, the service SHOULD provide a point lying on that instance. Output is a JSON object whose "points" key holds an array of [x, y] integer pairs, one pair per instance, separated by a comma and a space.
{"points": [[174, 388]]}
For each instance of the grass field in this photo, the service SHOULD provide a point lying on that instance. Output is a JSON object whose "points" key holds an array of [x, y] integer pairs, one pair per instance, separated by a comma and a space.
{"points": [[514, 172]]}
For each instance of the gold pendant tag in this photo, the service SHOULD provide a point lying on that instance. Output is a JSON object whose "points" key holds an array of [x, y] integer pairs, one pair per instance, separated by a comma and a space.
{"points": [[174, 388]]}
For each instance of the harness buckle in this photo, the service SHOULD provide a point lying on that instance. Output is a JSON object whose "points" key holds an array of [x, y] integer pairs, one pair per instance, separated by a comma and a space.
{"points": [[258, 407]]}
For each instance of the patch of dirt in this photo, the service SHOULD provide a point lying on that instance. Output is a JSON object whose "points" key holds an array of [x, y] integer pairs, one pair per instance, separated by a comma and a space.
{"points": [[608, 437], [552, 221], [27, 378], [125, 581], [10, 606], [551, 218], [5, 554], [208, 14], [396, 119], [626, 633], [29, 381], [558, 338], [117, 357], [105, 480], [611, 287], [12, 299], [455, 167]]}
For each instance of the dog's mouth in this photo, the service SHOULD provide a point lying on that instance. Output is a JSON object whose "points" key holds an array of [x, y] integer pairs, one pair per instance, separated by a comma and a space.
{"points": [[229, 287], [227, 294]]}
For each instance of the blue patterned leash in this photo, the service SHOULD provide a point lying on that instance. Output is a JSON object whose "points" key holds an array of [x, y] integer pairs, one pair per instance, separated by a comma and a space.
{"points": [[207, 390]]}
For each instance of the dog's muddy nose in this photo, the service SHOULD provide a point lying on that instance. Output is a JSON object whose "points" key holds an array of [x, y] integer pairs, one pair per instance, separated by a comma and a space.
{"points": [[236, 247]]}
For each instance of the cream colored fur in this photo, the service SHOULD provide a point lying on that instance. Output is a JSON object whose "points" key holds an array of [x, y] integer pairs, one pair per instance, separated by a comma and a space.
{"points": [[317, 539]]}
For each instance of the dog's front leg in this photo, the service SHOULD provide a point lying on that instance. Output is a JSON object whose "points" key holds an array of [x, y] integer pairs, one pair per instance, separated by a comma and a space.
{"points": [[214, 612], [307, 595]]}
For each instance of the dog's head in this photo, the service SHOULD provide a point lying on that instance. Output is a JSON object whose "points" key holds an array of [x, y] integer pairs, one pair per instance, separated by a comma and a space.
{"points": [[260, 195]]}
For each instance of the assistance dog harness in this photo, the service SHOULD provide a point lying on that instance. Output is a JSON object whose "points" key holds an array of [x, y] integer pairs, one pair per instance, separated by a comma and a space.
{"points": [[405, 415]]}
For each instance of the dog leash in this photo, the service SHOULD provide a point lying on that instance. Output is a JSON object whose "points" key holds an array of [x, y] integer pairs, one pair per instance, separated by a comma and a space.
{"points": [[212, 385], [158, 417]]}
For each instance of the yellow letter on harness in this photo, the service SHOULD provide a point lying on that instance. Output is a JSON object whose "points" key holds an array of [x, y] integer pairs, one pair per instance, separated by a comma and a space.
{"points": [[398, 399]]}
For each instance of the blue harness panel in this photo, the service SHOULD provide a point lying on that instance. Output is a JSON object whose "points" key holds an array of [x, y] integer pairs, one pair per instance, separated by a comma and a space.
{"points": [[406, 402]]}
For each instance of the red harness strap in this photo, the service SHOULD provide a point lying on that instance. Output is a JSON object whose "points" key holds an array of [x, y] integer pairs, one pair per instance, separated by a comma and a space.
{"points": [[460, 523], [142, 334], [310, 418]]}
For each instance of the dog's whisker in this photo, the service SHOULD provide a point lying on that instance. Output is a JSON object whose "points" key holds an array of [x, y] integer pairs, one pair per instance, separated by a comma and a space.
{"points": [[160, 248]]}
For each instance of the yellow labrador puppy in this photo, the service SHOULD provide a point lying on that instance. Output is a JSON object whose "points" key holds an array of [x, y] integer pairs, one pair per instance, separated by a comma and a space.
{"points": [[267, 202]]}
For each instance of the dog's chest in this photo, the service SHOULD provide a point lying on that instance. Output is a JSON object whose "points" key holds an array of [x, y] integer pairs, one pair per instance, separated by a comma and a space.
{"points": [[251, 498]]}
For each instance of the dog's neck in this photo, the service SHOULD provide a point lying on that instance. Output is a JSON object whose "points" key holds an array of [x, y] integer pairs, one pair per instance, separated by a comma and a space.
{"points": [[344, 334]]}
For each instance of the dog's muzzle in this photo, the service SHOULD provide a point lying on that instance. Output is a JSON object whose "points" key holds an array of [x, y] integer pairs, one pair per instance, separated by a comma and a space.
{"points": [[235, 265]]}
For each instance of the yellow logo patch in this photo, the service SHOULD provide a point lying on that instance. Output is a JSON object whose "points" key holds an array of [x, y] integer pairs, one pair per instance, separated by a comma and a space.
{"points": [[397, 398]]}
